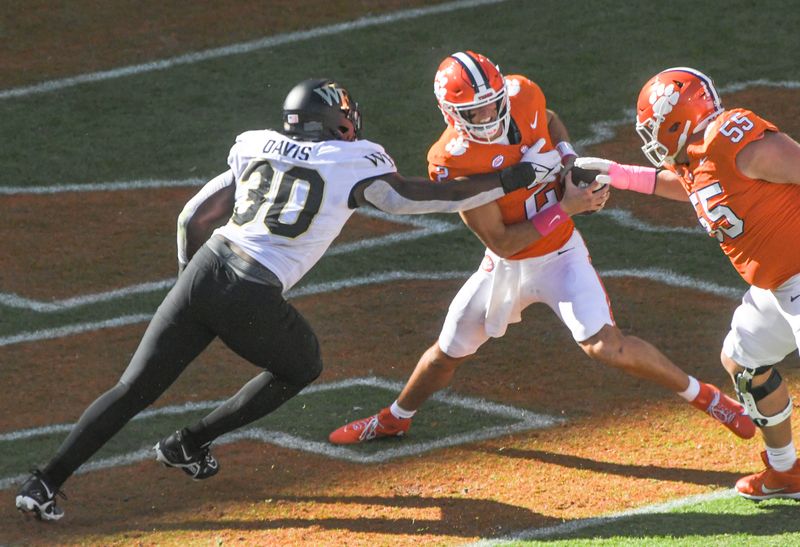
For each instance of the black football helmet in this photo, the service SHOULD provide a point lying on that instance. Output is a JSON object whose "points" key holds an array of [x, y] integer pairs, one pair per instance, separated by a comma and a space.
{"points": [[320, 110]]}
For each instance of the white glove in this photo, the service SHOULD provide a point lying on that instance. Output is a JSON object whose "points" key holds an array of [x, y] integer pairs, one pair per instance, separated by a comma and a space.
{"points": [[546, 165], [598, 164]]}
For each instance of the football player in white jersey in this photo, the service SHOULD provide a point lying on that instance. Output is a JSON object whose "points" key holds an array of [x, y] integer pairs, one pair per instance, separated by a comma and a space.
{"points": [[287, 195]]}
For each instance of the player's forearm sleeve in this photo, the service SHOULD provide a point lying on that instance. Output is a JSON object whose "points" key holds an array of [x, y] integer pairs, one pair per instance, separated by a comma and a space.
{"points": [[417, 199], [213, 186]]}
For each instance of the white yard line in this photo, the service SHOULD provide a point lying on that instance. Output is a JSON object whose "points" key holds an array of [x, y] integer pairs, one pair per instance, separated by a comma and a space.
{"points": [[661, 276], [580, 524], [241, 48]]}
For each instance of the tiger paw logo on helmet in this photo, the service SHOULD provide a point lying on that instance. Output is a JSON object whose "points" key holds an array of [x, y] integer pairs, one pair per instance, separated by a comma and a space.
{"points": [[663, 98], [440, 85]]}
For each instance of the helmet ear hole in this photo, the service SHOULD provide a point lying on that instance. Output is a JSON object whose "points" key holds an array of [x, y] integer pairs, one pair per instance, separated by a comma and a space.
{"points": [[674, 127]]}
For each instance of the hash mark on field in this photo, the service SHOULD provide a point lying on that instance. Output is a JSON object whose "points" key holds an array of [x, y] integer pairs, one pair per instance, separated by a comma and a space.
{"points": [[525, 421]]}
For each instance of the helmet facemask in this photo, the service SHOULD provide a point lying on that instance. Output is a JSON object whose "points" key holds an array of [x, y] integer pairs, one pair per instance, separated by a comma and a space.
{"points": [[485, 133]]}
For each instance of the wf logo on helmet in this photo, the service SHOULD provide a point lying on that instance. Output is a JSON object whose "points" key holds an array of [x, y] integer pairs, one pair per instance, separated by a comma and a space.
{"points": [[332, 95]]}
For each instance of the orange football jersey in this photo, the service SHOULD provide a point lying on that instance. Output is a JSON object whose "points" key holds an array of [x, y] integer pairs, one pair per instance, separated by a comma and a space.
{"points": [[757, 223], [453, 156]]}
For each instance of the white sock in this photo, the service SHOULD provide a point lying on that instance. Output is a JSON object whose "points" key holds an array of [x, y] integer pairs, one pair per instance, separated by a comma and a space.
{"points": [[691, 392], [401, 413], [782, 459]]}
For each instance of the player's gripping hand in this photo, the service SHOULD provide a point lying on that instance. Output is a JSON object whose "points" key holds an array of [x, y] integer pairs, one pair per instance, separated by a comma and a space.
{"points": [[622, 177], [535, 167], [583, 198]]}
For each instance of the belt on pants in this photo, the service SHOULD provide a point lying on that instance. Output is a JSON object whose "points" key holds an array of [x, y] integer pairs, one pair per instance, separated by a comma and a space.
{"points": [[242, 263]]}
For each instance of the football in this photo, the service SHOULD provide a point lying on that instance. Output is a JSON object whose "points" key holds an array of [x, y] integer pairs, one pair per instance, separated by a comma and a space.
{"points": [[583, 177]]}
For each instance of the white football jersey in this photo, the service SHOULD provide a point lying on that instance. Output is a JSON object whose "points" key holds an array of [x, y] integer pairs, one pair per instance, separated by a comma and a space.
{"points": [[292, 196]]}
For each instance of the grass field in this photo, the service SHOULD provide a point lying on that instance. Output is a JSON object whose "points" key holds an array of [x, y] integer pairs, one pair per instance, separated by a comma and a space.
{"points": [[96, 169]]}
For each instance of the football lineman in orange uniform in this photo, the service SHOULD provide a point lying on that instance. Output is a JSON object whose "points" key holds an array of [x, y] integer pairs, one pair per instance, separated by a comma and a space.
{"points": [[534, 253], [742, 176]]}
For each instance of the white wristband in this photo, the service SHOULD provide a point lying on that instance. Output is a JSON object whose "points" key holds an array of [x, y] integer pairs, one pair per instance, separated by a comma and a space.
{"points": [[565, 149]]}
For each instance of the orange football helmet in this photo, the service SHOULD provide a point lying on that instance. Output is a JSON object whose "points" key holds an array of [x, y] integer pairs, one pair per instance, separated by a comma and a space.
{"points": [[672, 105], [466, 81]]}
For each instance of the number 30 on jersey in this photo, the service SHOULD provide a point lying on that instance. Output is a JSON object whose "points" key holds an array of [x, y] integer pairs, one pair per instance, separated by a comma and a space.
{"points": [[286, 202]]}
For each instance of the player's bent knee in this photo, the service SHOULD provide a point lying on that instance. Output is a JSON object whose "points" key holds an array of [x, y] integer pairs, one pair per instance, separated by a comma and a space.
{"points": [[750, 394], [605, 346]]}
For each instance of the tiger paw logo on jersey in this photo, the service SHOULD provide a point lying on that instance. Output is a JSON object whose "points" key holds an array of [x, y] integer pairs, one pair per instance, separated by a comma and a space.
{"points": [[457, 146], [488, 264], [663, 98], [513, 87]]}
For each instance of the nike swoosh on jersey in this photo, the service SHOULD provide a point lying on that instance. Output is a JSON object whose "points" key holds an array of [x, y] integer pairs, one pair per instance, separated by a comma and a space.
{"points": [[535, 120]]}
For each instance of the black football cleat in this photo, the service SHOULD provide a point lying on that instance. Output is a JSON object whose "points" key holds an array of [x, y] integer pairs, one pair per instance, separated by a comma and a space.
{"points": [[37, 497], [198, 464]]}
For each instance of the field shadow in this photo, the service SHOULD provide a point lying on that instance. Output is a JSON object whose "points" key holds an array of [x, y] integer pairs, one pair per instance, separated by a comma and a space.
{"points": [[702, 477], [772, 518], [459, 517]]}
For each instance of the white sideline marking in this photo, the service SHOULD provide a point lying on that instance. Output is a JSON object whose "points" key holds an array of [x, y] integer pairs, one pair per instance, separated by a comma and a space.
{"points": [[143, 184], [244, 47], [654, 274], [526, 420], [579, 524], [677, 280], [626, 219], [425, 227]]}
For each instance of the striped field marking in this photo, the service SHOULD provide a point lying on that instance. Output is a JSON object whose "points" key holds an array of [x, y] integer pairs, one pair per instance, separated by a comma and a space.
{"points": [[525, 421]]}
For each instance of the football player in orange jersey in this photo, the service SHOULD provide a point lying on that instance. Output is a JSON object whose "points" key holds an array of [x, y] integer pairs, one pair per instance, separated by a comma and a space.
{"points": [[534, 254], [742, 176]]}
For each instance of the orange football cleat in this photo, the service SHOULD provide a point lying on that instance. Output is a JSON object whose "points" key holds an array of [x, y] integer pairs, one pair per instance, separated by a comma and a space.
{"points": [[725, 410], [770, 484], [382, 424]]}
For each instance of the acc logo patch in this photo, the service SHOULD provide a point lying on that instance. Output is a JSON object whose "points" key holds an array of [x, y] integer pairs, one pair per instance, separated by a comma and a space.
{"points": [[488, 264], [442, 173], [498, 160]]}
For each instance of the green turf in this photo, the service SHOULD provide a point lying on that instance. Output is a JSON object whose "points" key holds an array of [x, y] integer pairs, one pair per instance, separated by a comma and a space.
{"points": [[590, 58], [729, 521]]}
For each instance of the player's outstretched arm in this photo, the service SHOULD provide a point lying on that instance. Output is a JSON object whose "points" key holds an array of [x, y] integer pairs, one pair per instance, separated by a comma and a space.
{"points": [[645, 180], [397, 194], [206, 210]]}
